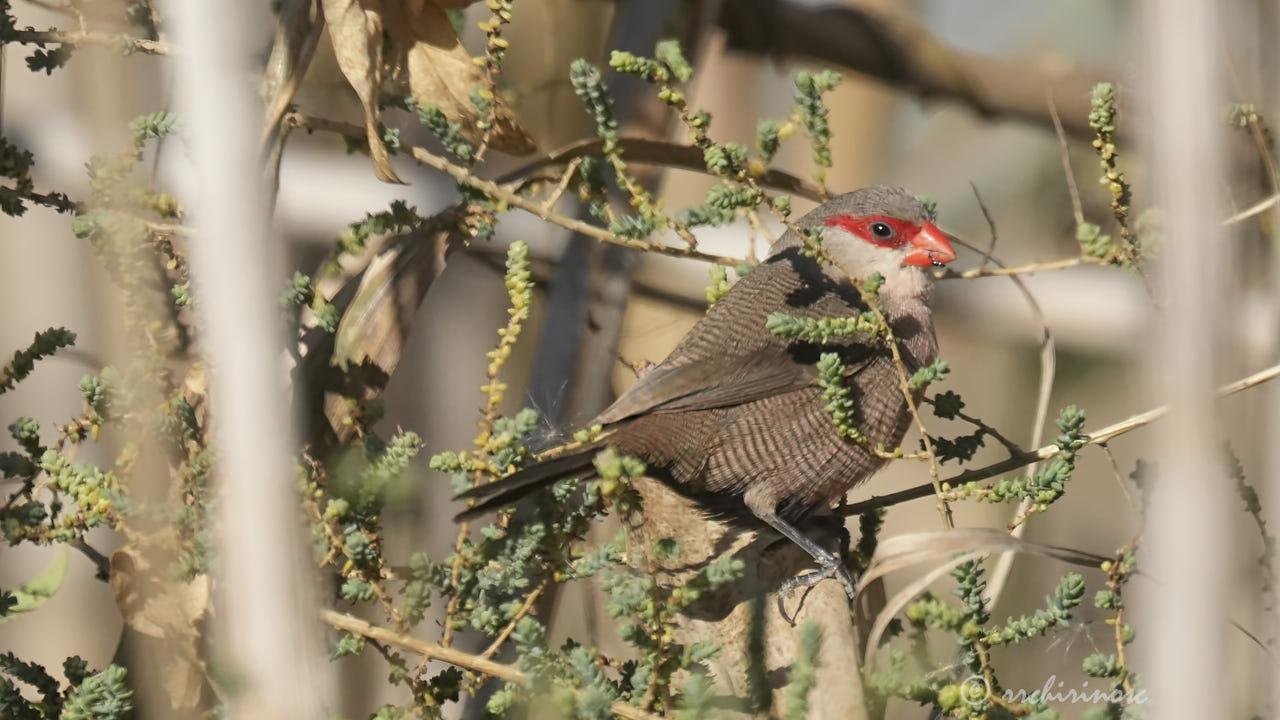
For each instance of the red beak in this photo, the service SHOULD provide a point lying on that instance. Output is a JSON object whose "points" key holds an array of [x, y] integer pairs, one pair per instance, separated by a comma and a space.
{"points": [[929, 247]]}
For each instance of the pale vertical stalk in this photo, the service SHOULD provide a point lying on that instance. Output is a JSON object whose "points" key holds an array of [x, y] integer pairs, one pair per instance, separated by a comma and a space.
{"points": [[265, 621], [1186, 542]]}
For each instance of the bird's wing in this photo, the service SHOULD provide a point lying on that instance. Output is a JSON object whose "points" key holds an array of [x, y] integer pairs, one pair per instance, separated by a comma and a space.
{"points": [[729, 358]]}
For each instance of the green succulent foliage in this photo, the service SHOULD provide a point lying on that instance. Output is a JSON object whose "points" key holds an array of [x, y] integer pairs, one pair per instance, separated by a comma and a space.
{"points": [[153, 126], [46, 343], [1055, 614], [400, 217], [721, 202], [589, 86], [768, 138], [104, 696], [1093, 242], [726, 160], [872, 284], [695, 698], [100, 696], [26, 431], [717, 283], [1048, 482], [363, 481], [300, 291], [836, 395], [1101, 665], [651, 70], [929, 374], [34, 675], [634, 227], [822, 331], [181, 293], [449, 133], [668, 51], [810, 87], [803, 676]]}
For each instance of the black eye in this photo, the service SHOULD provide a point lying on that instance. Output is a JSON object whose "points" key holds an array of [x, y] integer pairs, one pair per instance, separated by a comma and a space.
{"points": [[881, 230]]}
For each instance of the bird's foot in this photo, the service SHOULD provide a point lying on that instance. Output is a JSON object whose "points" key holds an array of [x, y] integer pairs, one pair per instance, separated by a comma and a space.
{"points": [[828, 566]]}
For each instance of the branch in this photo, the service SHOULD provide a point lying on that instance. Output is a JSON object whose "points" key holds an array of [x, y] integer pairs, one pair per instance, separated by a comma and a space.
{"points": [[356, 626], [1027, 269], [883, 44], [660, 152], [497, 192], [1096, 437], [127, 43], [54, 200]]}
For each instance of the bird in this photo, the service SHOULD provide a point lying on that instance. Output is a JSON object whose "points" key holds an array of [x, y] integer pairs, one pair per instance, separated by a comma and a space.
{"points": [[734, 418]]}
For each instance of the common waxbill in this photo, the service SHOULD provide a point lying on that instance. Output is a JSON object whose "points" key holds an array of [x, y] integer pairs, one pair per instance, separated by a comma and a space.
{"points": [[734, 417]]}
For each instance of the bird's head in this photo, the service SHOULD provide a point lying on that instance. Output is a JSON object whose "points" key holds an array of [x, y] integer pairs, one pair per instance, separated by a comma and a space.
{"points": [[882, 229]]}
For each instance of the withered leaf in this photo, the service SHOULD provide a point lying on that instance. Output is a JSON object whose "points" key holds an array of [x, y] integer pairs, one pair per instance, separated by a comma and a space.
{"points": [[428, 57], [156, 605], [355, 27]]}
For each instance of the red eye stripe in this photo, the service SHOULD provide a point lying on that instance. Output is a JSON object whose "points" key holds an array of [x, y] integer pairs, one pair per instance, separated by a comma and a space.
{"points": [[861, 227]]}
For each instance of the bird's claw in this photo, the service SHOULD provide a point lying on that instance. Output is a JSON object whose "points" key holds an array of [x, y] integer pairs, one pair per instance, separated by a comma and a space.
{"points": [[828, 566]]}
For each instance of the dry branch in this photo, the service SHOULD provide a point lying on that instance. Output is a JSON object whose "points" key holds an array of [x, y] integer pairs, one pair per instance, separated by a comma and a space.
{"points": [[1097, 437], [356, 626]]}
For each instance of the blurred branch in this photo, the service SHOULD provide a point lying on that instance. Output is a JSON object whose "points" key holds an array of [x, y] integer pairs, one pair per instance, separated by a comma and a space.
{"points": [[884, 44], [356, 626], [1097, 437], [1253, 210], [66, 37]]}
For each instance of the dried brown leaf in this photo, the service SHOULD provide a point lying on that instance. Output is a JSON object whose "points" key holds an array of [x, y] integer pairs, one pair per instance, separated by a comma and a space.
{"points": [[355, 28], [429, 58], [155, 605], [378, 316]]}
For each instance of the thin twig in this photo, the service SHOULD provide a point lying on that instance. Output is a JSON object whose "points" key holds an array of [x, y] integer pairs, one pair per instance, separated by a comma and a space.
{"points": [[1253, 210], [1011, 446], [1097, 437], [1077, 207], [497, 192], [1017, 269], [991, 226], [356, 626], [496, 645], [566, 178]]}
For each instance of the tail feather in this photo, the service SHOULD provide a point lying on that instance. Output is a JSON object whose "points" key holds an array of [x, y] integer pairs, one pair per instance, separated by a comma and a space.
{"points": [[523, 482]]}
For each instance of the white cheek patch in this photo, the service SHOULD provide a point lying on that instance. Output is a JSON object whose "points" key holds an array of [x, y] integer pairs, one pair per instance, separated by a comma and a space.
{"points": [[862, 257]]}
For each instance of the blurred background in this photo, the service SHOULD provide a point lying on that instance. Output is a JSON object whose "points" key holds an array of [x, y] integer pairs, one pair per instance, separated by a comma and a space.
{"points": [[599, 310]]}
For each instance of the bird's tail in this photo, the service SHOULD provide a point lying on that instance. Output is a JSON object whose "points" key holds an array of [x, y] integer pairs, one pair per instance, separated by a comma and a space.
{"points": [[506, 491]]}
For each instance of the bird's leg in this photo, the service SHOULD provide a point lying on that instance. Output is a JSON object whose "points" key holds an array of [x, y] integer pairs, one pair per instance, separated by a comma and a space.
{"points": [[828, 564]]}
